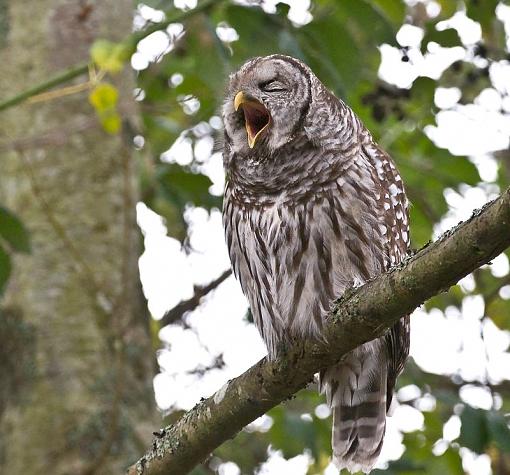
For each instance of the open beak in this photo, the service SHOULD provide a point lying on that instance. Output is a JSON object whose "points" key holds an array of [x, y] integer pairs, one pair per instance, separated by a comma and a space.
{"points": [[256, 116]]}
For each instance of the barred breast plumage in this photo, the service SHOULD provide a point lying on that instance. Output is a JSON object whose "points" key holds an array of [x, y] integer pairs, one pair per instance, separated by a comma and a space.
{"points": [[313, 206]]}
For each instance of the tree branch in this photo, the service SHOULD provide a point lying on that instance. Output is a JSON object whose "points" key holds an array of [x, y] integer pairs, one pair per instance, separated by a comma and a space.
{"points": [[184, 306], [360, 315]]}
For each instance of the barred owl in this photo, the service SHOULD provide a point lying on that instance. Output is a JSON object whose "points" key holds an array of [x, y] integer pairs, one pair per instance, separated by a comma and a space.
{"points": [[313, 206]]}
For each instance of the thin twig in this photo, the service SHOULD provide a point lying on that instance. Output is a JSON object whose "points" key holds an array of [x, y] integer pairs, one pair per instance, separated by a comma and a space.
{"points": [[181, 308], [60, 78]]}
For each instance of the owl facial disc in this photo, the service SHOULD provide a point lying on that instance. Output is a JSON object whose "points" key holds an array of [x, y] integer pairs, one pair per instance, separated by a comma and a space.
{"points": [[256, 116]]}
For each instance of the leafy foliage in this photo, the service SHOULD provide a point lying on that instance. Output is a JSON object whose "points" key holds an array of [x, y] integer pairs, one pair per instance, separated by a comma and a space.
{"points": [[104, 98], [13, 235], [110, 56], [5, 268]]}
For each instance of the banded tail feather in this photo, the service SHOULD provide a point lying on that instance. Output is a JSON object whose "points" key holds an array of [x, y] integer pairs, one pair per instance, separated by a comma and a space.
{"points": [[356, 391]]}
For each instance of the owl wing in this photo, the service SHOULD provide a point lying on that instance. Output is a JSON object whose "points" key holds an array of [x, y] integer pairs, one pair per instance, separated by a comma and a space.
{"points": [[397, 342], [360, 388], [394, 206]]}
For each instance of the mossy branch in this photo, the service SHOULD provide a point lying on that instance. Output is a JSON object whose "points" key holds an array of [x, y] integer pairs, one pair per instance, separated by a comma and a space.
{"points": [[359, 316], [132, 40]]}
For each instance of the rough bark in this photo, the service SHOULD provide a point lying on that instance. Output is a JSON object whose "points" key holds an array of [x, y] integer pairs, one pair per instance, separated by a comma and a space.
{"points": [[359, 316], [89, 406]]}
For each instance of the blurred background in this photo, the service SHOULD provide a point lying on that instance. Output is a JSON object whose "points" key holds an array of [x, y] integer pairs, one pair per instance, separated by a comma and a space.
{"points": [[117, 308]]}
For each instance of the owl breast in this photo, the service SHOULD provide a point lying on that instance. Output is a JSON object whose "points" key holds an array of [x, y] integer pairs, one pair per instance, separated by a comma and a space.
{"points": [[294, 256]]}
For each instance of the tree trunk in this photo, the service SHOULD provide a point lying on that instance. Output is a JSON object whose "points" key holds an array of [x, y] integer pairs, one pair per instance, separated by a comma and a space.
{"points": [[75, 301]]}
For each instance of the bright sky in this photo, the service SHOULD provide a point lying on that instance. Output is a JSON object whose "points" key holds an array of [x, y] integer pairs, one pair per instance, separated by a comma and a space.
{"points": [[218, 327]]}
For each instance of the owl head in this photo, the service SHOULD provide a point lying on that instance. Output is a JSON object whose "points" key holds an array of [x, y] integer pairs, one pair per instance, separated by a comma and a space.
{"points": [[267, 102]]}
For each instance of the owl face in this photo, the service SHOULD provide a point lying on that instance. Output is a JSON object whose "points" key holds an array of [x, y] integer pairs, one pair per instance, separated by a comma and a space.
{"points": [[266, 103]]}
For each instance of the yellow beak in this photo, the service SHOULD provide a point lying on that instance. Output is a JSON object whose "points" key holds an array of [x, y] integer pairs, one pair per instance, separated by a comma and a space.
{"points": [[239, 99], [256, 116]]}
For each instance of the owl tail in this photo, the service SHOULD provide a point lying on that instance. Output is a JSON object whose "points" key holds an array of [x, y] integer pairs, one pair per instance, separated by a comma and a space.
{"points": [[356, 392]]}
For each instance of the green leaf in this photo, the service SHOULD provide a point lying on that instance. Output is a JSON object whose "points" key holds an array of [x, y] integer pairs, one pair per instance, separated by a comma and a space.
{"points": [[314, 434], [111, 122], [258, 32], [448, 8], [356, 15], [421, 225], [423, 90], [183, 186], [484, 13], [247, 450], [289, 422], [5, 269], [453, 297], [433, 425], [469, 78], [448, 463], [498, 311], [110, 56], [13, 231], [393, 10], [171, 212], [319, 36], [345, 23], [104, 96], [498, 430], [178, 187], [446, 38], [474, 434]]}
